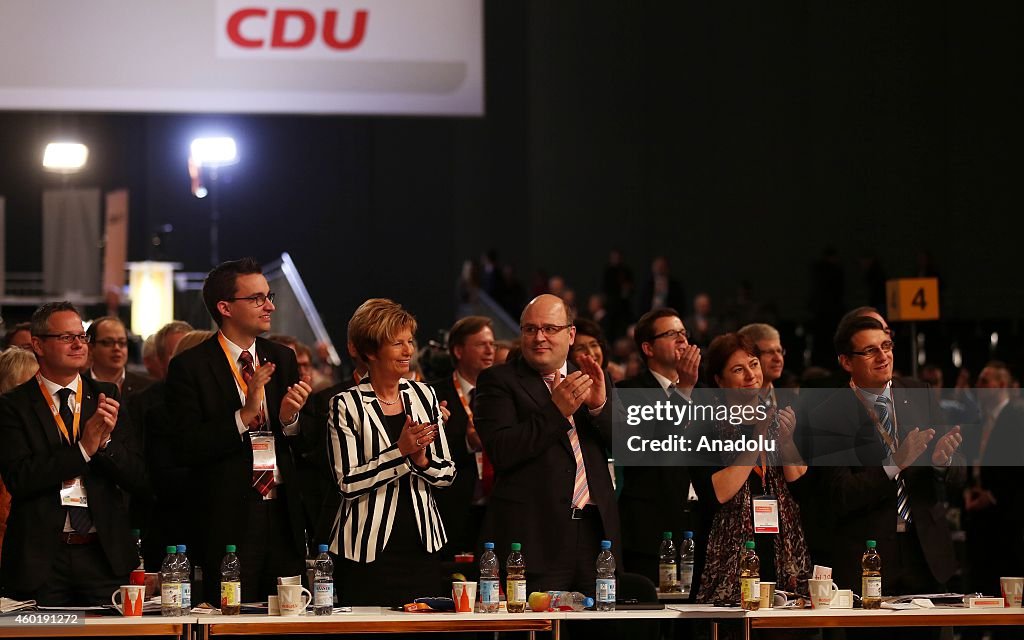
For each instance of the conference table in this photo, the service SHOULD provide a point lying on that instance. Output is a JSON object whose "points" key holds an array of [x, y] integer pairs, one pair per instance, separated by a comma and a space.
{"points": [[380, 620]]}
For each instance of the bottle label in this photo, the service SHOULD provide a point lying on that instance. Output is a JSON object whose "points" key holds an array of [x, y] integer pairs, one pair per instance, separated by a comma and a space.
{"points": [[667, 576], [515, 591], [686, 574], [230, 594], [605, 590], [186, 595], [170, 594], [489, 591], [323, 594], [750, 589], [871, 587]]}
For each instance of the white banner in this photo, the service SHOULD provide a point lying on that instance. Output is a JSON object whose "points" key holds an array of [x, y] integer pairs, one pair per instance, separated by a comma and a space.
{"points": [[246, 56]]}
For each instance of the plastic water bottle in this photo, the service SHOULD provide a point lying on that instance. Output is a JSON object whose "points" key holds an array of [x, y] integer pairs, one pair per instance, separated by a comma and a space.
{"points": [[515, 589], [570, 600], [871, 577], [170, 584], [489, 580], [323, 583], [230, 582], [185, 578], [605, 578], [750, 577], [668, 567], [686, 563]]}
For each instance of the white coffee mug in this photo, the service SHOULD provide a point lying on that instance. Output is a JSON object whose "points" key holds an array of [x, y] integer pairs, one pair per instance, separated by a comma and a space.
{"points": [[821, 593], [292, 599], [132, 597], [273, 608]]}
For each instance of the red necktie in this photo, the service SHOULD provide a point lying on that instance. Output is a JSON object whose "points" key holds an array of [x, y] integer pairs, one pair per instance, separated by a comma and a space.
{"points": [[262, 480]]}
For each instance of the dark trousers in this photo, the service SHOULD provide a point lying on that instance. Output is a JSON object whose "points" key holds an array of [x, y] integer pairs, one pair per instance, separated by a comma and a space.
{"points": [[266, 552], [80, 576], [576, 571], [907, 573]]}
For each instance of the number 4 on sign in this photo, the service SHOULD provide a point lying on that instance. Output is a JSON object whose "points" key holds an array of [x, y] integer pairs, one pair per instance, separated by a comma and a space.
{"points": [[913, 299]]}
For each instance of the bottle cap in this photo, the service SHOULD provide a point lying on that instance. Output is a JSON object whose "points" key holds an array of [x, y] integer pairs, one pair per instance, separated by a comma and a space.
{"points": [[667, 535], [588, 602], [171, 549], [872, 544], [516, 546], [230, 548], [606, 544], [182, 548], [749, 544], [488, 545], [322, 548], [687, 534]]}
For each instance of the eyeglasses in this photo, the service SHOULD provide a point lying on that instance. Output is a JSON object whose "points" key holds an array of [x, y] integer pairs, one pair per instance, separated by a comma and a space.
{"points": [[67, 338], [531, 330], [773, 352], [673, 333], [872, 352], [110, 343], [257, 300]]}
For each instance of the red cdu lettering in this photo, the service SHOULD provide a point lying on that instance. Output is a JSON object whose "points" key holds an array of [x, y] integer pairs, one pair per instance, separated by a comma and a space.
{"points": [[358, 30], [235, 27], [281, 18]]}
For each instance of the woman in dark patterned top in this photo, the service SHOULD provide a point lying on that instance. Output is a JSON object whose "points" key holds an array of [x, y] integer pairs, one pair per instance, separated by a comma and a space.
{"points": [[730, 482]]}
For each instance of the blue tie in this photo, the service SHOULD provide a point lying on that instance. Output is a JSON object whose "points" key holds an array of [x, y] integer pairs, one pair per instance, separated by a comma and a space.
{"points": [[81, 521], [902, 495]]}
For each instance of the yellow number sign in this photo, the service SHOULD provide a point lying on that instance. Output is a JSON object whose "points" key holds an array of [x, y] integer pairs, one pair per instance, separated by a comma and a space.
{"points": [[912, 299]]}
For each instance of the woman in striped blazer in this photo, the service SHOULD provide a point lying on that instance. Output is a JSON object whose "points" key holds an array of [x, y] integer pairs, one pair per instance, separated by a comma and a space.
{"points": [[387, 447]]}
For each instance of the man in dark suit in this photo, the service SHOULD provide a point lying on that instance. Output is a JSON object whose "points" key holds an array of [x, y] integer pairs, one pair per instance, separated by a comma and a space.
{"points": [[237, 398], [545, 426], [108, 346], [68, 459], [471, 345], [655, 499], [883, 451]]}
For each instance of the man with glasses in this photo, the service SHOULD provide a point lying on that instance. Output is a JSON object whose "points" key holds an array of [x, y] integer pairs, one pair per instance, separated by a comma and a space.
{"points": [[657, 499], [237, 399], [545, 426], [19, 337], [882, 449], [68, 460], [108, 346]]}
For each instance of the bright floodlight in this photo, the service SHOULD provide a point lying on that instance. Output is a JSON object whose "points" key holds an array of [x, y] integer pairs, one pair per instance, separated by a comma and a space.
{"points": [[65, 157], [214, 152]]}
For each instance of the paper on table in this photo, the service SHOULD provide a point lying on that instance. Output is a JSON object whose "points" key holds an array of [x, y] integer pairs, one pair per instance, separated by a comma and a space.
{"points": [[7, 605]]}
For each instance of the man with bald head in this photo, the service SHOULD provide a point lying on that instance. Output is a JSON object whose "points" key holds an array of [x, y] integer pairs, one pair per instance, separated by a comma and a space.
{"points": [[545, 425]]}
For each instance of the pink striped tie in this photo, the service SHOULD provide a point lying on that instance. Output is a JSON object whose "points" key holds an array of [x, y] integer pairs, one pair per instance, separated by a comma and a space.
{"points": [[580, 490]]}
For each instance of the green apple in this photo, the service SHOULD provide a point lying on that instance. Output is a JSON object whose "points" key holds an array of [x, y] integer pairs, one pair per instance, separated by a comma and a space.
{"points": [[540, 601]]}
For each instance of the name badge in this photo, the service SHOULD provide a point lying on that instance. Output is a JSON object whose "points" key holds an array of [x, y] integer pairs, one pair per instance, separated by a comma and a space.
{"points": [[264, 458], [766, 514], [73, 494]]}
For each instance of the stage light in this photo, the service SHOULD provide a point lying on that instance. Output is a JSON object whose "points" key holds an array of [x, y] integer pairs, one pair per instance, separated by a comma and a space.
{"points": [[214, 152], [65, 157]]}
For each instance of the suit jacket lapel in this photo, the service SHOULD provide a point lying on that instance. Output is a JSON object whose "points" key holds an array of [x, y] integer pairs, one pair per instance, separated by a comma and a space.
{"points": [[42, 410], [220, 370], [274, 389], [537, 389]]}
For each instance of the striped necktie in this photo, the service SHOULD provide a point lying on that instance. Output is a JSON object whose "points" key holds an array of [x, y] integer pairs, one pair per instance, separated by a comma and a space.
{"points": [[262, 480], [580, 489], [902, 495]]}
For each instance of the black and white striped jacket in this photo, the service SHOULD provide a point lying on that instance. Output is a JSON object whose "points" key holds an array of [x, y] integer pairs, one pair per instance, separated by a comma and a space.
{"points": [[368, 467]]}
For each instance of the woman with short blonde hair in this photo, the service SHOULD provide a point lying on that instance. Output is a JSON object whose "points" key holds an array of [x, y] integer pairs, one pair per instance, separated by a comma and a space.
{"points": [[17, 366], [389, 454]]}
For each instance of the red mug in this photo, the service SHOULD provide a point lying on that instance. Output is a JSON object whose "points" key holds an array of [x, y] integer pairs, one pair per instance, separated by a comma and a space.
{"points": [[137, 576]]}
